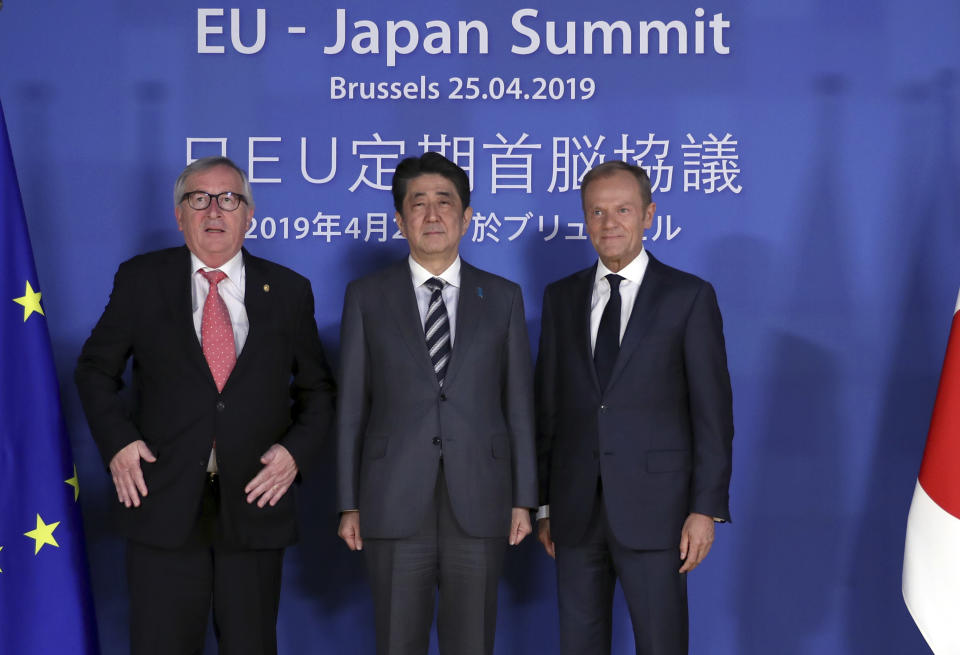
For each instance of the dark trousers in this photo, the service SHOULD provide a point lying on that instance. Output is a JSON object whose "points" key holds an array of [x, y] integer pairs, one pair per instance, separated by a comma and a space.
{"points": [[406, 574], [655, 592], [172, 590]]}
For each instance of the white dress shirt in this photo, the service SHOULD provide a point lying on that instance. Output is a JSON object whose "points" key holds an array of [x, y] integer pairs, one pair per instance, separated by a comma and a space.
{"points": [[232, 291], [451, 291], [632, 275]]}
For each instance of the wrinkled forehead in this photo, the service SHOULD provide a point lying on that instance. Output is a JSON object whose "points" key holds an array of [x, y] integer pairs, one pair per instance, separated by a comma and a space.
{"points": [[216, 179]]}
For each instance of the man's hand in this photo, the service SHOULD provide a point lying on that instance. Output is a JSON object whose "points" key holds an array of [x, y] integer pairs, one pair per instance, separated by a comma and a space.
{"points": [[695, 540], [126, 473], [349, 529], [519, 525], [543, 534], [278, 473]]}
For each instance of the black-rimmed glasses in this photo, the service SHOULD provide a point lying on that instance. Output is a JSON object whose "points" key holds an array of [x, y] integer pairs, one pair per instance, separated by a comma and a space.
{"points": [[228, 201]]}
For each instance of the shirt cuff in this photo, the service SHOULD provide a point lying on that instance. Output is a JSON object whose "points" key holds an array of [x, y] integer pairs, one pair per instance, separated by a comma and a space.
{"points": [[543, 512]]}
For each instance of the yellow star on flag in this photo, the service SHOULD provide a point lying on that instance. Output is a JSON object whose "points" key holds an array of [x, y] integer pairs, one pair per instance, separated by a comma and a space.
{"points": [[30, 301], [43, 534], [75, 483]]}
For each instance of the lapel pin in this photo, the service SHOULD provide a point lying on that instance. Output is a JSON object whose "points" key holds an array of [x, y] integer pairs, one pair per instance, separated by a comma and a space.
{"points": [[266, 288], [480, 292]]}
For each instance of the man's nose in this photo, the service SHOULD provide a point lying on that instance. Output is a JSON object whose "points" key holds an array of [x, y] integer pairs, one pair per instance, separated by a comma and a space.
{"points": [[213, 209]]}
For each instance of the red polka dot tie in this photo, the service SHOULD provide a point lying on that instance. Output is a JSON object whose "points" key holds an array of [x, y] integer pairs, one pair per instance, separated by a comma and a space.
{"points": [[216, 332]]}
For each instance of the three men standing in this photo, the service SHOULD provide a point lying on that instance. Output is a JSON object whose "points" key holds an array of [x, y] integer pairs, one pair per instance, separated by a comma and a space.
{"points": [[435, 426], [231, 399], [436, 455], [634, 426]]}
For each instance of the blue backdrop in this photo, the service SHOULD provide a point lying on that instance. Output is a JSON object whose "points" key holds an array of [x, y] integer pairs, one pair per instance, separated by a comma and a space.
{"points": [[806, 162]]}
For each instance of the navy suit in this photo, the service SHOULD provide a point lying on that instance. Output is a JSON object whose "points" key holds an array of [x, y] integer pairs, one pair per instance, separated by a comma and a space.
{"points": [[632, 461]]}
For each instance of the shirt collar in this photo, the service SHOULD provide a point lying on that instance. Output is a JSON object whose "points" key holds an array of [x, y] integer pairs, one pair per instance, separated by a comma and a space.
{"points": [[632, 272], [233, 268], [420, 275]]}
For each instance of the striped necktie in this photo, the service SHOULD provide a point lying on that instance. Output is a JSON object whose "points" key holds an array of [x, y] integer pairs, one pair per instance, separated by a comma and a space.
{"points": [[436, 328]]}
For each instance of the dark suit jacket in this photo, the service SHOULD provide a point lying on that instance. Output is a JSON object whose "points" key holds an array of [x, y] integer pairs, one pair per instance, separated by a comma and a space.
{"points": [[393, 419], [659, 436], [177, 410]]}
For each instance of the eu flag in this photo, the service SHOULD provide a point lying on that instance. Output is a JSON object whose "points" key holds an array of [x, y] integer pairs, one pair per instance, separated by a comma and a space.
{"points": [[45, 602]]}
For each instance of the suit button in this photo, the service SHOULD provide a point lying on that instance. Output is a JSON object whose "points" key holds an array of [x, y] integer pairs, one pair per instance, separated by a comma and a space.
{"points": [[436, 441], [443, 396], [603, 409], [221, 405]]}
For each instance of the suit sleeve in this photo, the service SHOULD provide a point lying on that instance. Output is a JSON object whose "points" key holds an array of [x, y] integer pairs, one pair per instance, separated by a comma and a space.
{"points": [[711, 406], [312, 389], [353, 400], [545, 380], [518, 400], [100, 368]]}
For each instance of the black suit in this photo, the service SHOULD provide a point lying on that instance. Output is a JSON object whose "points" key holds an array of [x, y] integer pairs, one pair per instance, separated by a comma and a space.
{"points": [[395, 423], [627, 464], [178, 411]]}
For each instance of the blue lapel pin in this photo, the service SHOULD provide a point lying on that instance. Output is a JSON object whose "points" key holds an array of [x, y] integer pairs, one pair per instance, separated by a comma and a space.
{"points": [[480, 292]]}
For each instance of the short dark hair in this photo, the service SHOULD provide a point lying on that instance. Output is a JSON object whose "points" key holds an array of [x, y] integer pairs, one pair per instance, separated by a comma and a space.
{"points": [[608, 168], [428, 162]]}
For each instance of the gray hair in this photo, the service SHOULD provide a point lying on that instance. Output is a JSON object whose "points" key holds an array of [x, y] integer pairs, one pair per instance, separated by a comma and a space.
{"points": [[205, 164]]}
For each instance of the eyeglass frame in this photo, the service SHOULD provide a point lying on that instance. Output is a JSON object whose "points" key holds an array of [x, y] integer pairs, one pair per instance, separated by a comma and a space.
{"points": [[214, 196]]}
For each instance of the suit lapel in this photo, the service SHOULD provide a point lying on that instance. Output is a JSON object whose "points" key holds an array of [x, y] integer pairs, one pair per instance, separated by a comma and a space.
{"points": [[583, 297], [469, 313], [177, 292], [257, 302], [402, 302], [641, 318]]}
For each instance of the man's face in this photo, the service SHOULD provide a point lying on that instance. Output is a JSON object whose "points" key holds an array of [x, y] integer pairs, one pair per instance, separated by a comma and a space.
{"points": [[212, 234], [616, 217], [433, 218]]}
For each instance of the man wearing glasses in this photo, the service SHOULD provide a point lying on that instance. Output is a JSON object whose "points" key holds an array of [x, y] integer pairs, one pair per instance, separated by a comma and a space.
{"points": [[231, 398]]}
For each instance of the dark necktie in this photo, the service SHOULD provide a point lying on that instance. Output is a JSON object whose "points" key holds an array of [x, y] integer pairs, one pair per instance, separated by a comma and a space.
{"points": [[436, 328], [607, 346]]}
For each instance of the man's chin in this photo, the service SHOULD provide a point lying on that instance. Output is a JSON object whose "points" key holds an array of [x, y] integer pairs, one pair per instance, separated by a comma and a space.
{"points": [[217, 242]]}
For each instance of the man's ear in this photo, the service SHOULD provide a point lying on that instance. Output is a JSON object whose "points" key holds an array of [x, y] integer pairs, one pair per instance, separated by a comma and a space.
{"points": [[648, 215], [467, 217]]}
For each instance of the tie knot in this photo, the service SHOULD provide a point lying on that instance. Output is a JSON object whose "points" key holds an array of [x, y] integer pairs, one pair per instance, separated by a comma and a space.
{"points": [[214, 277], [435, 284], [614, 281]]}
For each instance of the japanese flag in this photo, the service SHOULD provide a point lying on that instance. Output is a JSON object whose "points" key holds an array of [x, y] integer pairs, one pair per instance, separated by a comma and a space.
{"points": [[931, 558]]}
